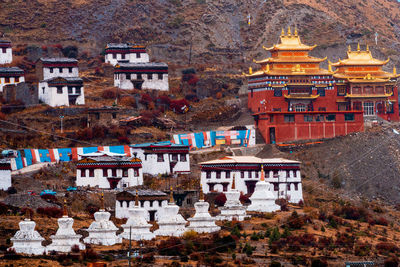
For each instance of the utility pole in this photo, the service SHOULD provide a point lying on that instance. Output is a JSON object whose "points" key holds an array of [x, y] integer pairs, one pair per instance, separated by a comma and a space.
{"points": [[130, 245], [61, 118], [190, 50]]}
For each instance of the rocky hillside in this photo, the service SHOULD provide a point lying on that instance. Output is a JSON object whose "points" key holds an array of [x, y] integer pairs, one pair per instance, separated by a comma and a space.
{"points": [[217, 30]]}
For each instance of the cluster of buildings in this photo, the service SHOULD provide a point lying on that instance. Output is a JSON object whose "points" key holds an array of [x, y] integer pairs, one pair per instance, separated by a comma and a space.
{"points": [[8, 75], [293, 98]]}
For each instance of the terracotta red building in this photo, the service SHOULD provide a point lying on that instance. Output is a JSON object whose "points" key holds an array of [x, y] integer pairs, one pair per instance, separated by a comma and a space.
{"points": [[293, 98]]}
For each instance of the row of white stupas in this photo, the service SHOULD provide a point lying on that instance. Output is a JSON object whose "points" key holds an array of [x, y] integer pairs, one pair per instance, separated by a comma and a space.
{"points": [[103, 231]]}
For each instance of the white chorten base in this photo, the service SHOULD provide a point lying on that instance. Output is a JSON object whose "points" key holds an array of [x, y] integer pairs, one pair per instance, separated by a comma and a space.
{"points": [[27, 240], [102, 231], [137, 227], [233, 209], [202, 222], [171, 223], [65, 237], [263, 200]]}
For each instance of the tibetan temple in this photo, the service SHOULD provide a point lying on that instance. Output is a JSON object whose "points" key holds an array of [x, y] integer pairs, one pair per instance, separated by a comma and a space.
{"points": [[293, 98]]}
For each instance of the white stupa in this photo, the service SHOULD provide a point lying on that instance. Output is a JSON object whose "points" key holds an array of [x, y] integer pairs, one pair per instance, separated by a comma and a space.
{"points": [[233, 208], [102, 231], [27, 240], [137, 227], [65, 236], [263, 200], [170, 223], [202, 222]]}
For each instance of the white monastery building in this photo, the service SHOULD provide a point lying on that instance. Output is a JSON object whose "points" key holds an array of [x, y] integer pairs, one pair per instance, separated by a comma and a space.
{"points": [[151, 75], [10, 75], [283, 174], [125, 53], [5, 174], [60, 84], [163, 157], [152, 201], [108, 170], [5, 52]]}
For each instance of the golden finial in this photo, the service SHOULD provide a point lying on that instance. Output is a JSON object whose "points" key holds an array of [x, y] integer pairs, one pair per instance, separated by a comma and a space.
{"points": [[330, 67], [349, 49], [267, 67], [394, 70], [102, 201], [367, 49], [283, 32], [65, 211], [295, 31], [233, 182], [137, 199], [288, 31], [250, 70], [358, 47], [171, 196], [201, 197], [262, 173]]}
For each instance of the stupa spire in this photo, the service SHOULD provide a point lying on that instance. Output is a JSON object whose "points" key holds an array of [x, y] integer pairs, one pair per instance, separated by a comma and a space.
{"points": [[233, 182], [262, 173], [65, 211], [102, 201], [358, 47], [137, 199], [288, 31], [367, 48], [283, 32], [171, 196], [295, 31], [201, 194], [394, 70], [349, 48]]}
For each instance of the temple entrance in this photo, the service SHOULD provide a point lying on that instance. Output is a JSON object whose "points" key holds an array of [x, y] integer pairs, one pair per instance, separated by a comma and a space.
{"points": [[152, 215], [368, 108], [272, 135], [137, 84]]}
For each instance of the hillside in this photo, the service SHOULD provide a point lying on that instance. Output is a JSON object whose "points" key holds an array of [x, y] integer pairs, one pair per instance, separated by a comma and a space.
{"points": [[217, 30]]}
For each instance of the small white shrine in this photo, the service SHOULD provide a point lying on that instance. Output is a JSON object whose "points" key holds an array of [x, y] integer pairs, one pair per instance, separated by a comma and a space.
{"points": [[202, 222], [65, 236], [137, 228], [27, 240], [233, 208], [102, 231], [170, 222], [263, 200]]}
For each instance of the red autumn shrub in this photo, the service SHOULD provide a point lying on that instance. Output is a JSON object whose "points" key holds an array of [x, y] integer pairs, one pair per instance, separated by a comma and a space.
{"points": [[220, 199], [386, 248], [146, 99], [109, 94], [325, 242], [381, 221], [124, 140], [244, 199], [50, 212], [49, 197]]}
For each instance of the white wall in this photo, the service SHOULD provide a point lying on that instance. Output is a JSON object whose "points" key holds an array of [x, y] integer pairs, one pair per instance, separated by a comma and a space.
{"points": [[5, 179], [12, 81], [6, 57], [122, 209], [131, 58], [240, 183], [102, 182], [153, 84], [56, 72], [50, 96]]}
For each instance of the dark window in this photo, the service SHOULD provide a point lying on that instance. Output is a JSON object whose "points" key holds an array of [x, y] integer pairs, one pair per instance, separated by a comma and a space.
{"points": [[256, 174], [160, 76], [294, 173], [389, 89], [390, 108], [43, 88], [136, 172], [341, 90], [251, 93], [51, 70], [70, 70], [69, 90], [349, 117], [123, 56], [242, 174], [331, 117], [150, 76], [97, 116], [125, 173], [183, 157], [114, 172], [4, 50], [319, 118], [321, 109], [160, 157], [77, 90], [174, 157], [137, 55], [218, 175], [128, 76], [59, 90], [321, 91], [288, 186], [278, 92], [250, 174], [83, 172], [276, 186], [114, 56], [139, 76], [189, 201], [296, 186], [114, 115], [271, 118], [228, 174], [16, 79], [308, 118], [91, 172], [60, 70], [208, 175], [289, 118], [105, 173], [7, 80], [151, 203]]}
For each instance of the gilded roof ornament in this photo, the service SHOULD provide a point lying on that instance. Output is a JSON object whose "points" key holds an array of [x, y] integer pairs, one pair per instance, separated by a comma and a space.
{"points": [[295, 31], [349, 49], [288, 31], [250, 70], [394, 70], [367, 49], [283, 32], [358, 47], [262, 173], [171, 196]]}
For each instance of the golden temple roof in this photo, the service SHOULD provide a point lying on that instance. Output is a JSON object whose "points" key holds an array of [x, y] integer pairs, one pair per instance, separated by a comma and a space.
{"points": [[290, 41], [301, 96], [291, 59], [367, 96], [359, 57]]}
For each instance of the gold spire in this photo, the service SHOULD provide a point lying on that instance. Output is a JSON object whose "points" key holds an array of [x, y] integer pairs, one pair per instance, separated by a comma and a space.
{"points": [[65, 211], [349, 49], [171, 196], [233, 182], [358, 47], [102, 201], [394, 70], [262, 173], [250, 70], [283, 32], [201, 197], [288, 31], [137, 199], [295, 31], [367, 49], [330, 67], [267, 67]]}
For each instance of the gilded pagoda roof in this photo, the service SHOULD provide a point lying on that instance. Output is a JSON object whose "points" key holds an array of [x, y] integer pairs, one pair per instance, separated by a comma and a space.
{"points": [[290, 41], [359, 57], [292, 59]]}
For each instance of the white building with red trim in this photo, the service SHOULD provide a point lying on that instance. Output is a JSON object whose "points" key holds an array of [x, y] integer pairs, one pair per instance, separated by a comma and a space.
{"points": [[11, 75], [5, 52], [5, 174], [163, 157], [108, 170], [125, 53], [283, 174]]}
